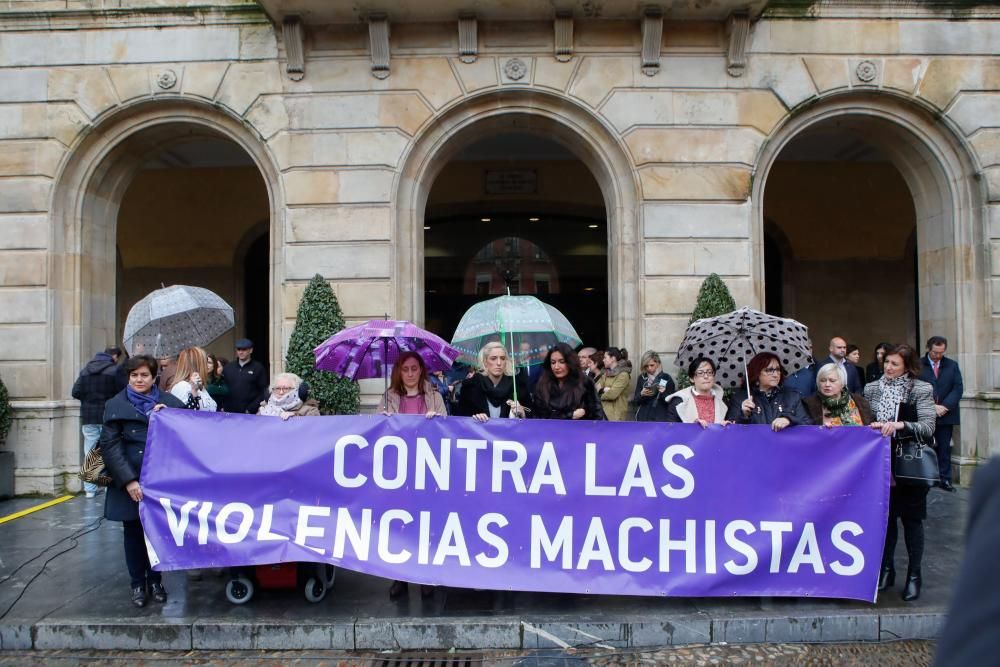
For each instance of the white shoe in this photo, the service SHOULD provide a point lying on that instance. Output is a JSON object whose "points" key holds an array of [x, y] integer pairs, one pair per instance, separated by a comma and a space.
{"points": [[91, 494]]}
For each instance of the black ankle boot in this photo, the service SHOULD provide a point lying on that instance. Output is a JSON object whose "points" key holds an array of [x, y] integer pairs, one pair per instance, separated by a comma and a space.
{"points": [[911, 591], [887, 577], [397, 589]]}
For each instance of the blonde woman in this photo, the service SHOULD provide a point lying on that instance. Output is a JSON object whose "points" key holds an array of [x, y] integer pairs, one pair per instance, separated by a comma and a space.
{"points": [[490, 392], [190, 376]]}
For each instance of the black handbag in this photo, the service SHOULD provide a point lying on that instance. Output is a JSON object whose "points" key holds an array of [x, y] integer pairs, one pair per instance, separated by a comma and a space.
{"points": [[914, 462]]}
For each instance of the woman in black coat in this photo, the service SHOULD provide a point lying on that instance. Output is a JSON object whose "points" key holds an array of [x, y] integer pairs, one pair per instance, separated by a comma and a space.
{"points": [[490, 392], [563, 392], [123, 441], [652, 386], [769, 402]]}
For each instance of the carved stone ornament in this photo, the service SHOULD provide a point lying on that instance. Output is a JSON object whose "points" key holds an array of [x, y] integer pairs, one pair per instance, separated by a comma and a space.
{"points": [[166, 79], [652, 37], [515, 69], [866, 71]]}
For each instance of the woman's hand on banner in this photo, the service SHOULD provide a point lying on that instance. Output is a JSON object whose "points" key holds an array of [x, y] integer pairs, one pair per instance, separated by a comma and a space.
{"points": [[482, 417], [780, 423]]}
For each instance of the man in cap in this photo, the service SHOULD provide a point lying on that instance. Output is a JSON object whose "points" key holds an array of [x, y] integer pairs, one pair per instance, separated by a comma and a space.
{"points": [[246, 379]]}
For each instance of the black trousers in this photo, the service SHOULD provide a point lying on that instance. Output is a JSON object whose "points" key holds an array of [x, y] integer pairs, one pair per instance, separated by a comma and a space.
{"points": [[913, 534], [136, 556], [942, 438]]}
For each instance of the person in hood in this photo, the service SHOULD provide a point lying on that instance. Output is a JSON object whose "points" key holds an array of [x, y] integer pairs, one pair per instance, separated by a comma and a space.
{"points": [[97, 382]]}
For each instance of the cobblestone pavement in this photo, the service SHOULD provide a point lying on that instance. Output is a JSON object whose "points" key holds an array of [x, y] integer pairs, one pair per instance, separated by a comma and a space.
{"points": [[885, 654]]}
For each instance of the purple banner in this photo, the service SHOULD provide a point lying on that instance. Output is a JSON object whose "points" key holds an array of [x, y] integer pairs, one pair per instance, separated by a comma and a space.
{"points": [[595, 507]]}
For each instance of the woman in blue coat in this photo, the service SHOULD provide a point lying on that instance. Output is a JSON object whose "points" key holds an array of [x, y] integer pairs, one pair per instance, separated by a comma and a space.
{"points": [[123, 441]]}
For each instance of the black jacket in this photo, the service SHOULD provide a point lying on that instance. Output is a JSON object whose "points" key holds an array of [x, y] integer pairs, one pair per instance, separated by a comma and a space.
{"points": [[652, 408], [783, 403], [948, 387], [123, 441], [247, 386], [559, 405], [472, 399], [97, 382]]}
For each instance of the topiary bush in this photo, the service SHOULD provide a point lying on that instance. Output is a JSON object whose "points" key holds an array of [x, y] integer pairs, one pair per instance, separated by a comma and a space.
{"points": [[713, 300], [6, 412], [318, 318]]}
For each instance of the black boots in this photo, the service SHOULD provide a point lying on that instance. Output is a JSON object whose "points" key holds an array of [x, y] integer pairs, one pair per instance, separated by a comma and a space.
{"points": [[911, 591], [887, 577], [139, 596]]}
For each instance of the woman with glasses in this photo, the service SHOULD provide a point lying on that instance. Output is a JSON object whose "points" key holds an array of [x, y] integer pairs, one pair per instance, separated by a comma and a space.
{"points": [[285, 401], [653, 386], [700, 403], [763, 400], [563, 392], [834, 404]]}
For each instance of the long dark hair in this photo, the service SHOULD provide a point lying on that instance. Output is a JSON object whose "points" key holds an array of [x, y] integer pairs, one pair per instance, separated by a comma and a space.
{"points": [[573, 382], [396, 379]]}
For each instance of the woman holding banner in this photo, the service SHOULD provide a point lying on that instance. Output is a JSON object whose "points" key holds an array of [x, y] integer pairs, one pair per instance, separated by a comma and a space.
{"points": [[410, 392], [834, 405], [123, 440], [763, 400], [701, 402], [490, 392], [563, 392], [904, 408]]}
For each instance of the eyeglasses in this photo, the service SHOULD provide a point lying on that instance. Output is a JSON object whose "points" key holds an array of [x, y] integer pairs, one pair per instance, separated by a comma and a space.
{"points": [[771, 370], [282, 389], [705, 373]]}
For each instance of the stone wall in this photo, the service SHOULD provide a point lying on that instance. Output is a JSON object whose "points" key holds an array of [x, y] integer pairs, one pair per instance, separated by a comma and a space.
{"points": [[680, 157]]}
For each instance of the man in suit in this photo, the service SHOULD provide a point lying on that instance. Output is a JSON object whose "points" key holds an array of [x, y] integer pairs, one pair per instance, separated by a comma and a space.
{"points": [[247, 380], [838, 355], [946, 377]]}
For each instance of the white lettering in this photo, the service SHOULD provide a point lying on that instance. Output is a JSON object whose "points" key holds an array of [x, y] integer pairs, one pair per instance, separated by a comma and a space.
{"points": [[807, 552], [592, 487], [595, 547], [242, 530], [738, 545], [265, 534], [378, 473], [776, 528], [384, 529], [440, 468], [857, 563], [637, 474], [470, 447], [345, 529], [338, 462], [688, 545], [547, 472], [624, 558], [303, 530], [562, 542], [452, 542], [492, 539], [177, 527], [513, 468], [678, 471]]}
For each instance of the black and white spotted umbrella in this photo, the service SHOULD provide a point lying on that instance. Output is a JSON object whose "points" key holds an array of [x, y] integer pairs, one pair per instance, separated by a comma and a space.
{"points": [[732, 340], [168, 320]]}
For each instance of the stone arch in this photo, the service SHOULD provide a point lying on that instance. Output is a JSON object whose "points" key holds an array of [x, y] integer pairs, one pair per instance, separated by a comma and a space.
{"points": [[528, 111], [89, 188], [949, 198]]}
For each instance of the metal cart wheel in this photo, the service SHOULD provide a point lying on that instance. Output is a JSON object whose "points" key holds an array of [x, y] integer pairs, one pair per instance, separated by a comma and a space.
{"points": [[239, 590]]}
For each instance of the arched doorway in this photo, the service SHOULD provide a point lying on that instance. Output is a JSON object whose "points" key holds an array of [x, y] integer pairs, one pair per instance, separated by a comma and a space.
{"points": [[538, 114], [931, 253], [157, 160], [516, 211]]}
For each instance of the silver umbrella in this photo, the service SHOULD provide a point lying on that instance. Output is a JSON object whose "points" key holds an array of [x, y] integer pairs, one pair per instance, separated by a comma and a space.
{"points": [[168, 320], [732, 340]]}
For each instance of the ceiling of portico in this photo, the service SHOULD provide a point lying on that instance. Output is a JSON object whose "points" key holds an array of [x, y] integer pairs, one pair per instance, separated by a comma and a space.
{"points": [[343, 11]]}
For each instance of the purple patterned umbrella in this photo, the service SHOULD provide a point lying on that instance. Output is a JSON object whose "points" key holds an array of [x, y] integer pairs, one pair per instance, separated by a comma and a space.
{"points": [[369, 350]]}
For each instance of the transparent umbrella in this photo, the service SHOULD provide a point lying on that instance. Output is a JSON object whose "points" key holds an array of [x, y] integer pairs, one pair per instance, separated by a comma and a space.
{"points": [[167, 320]]}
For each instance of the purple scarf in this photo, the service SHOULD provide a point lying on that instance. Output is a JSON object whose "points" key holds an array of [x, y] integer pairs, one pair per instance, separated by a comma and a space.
{"points": [[144, 403]]}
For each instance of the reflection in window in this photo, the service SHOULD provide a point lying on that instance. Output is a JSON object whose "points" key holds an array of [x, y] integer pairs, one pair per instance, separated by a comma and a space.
{"points": [[510, 262]]}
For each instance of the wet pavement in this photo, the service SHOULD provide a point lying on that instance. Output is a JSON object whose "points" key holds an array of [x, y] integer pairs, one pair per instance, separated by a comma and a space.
{"points": [[63, 586]]}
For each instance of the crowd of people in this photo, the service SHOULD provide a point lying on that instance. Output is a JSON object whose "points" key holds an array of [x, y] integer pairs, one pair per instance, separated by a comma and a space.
{"points": [[900, 394]]}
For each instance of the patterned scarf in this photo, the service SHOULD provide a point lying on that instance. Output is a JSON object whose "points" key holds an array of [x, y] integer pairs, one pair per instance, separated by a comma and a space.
{"points": [[144, 403], [290, 402], [894, 392], [841, 409]]}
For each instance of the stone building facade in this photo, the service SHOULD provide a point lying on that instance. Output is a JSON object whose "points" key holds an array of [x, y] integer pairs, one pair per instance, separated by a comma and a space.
{"points": [[837, 161]]}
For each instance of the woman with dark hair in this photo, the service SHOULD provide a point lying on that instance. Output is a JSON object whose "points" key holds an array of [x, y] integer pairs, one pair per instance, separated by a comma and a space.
{"points": [[768, 401], [410, 392], [490, 392], [854, 358], [653, 386], [562, 391], [904, 408], [216, 384], [701, 402], [123, 440], [612, 387], [874, 370]]}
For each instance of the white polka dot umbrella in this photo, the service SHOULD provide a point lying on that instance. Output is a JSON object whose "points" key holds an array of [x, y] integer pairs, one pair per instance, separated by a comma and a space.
{"points": [[732, 340], [167, 320]]}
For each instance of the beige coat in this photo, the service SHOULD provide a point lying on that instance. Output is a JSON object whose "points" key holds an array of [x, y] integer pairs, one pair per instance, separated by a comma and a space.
{"points": [[613, 391], [432, 399]]}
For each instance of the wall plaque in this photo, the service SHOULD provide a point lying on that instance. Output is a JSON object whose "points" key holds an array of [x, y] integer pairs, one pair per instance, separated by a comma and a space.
{"points": [[511, 182]]}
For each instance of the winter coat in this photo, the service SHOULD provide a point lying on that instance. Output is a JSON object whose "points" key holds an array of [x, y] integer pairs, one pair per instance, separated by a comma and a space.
{"points": [[783, 403], [559, 404], [309, 408], [473, 398], [247, 386], [123, 441], [814, 406], [613, 391], [97, 382], [681, 406], [652, 408], [432, 399]]}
